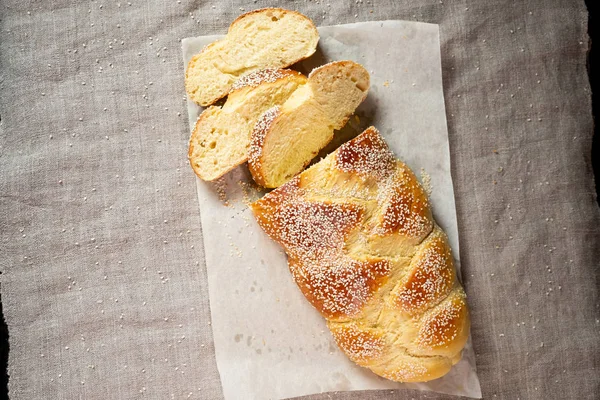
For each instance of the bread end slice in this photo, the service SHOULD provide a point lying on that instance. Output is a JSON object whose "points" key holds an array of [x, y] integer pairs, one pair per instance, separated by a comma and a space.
{"points": [[264, 38]]}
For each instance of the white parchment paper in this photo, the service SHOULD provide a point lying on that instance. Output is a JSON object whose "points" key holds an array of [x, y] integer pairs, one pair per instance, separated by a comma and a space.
{"points": [[269, 341]]}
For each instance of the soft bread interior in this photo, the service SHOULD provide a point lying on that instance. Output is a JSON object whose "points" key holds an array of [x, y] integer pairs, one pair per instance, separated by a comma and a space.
{"points": [[305, 123], [216, 144], [308, 131], [266, 38], [221, 137]]}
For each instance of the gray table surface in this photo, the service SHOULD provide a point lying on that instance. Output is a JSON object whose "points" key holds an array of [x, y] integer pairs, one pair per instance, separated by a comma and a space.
{"points": [[103, 281]]}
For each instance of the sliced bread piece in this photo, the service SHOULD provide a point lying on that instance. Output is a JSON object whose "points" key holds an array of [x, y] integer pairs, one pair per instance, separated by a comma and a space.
{"points": [[221, 137], [285, 139], [265, 38]]}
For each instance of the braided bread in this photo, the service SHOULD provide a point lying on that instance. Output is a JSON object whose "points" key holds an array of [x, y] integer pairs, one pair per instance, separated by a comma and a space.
{"points": [[364, 249]]}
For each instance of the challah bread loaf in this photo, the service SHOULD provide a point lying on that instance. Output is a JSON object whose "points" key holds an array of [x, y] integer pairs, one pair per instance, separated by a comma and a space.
{"points": [[221, 136], [287, 138], [265, 38], [363, 248]]}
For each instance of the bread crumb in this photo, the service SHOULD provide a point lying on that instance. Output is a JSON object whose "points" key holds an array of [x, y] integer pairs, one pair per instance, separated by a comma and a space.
{"points": [[220, 187], [250, 192]]}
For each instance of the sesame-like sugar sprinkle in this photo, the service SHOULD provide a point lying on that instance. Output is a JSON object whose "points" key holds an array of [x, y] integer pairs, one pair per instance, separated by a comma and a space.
{"points": [[431, 281], [406, 371], [366, 155], [407, 209], [258, 134], [359, 345], [315, 229], [441, 327], [340, 286], [426, 179], [313, 235], [254, 79]]}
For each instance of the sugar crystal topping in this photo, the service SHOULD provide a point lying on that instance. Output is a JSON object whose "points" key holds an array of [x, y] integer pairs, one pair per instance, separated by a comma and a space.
{"points": [[406, 371], [254, 79], [366, 155], [431, 280], [440, 328], [359, 345], [406, 207], [342, 286], [314, 230], [258, 135], [313, 234]]}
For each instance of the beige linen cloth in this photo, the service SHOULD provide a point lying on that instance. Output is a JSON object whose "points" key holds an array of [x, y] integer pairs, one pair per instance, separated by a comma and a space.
{"points": [[103, 281]]}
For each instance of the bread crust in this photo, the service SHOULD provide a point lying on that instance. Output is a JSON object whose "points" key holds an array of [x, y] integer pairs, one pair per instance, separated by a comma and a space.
{"points": [[267, 9], [364, 249], [257, 139]]}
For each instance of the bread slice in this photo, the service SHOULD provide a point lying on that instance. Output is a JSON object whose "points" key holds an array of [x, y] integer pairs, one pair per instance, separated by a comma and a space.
{"points": [[265, 38], [221, 136], [285, 139]]}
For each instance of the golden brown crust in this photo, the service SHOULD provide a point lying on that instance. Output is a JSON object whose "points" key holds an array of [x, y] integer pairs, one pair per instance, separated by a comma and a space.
{"points": [[445, 329], [362, 346], [408, 368], [430, 279], [341, 288], [367, 155], [312, 234], [407, 210], [405, 320]]}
